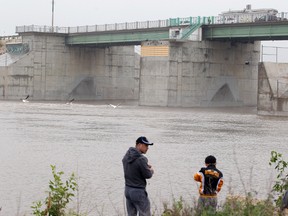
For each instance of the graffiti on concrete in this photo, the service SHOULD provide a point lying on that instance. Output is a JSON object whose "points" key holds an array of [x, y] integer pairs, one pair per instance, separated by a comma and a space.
{"points": [[17, 49]]}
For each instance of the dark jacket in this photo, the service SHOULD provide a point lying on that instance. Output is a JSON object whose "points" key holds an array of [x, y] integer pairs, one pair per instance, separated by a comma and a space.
{"points": [[136, 169], [211, 180]]}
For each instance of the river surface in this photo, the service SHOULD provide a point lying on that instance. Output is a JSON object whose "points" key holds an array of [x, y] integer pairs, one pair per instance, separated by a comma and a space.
{"points": [[91, 139]]}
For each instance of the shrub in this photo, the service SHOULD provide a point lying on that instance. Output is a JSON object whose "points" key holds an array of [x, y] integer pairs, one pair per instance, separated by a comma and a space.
{"points": [[236, 205], [59, 195], [179, 208], [281, 183]]}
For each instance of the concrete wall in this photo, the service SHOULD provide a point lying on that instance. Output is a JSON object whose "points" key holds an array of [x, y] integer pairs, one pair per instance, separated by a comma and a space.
{"points": [[53, 71], [273, 89], [179, 74], [197, 74]]}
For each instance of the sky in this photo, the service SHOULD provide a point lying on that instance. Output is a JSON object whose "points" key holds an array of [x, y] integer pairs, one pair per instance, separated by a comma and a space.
{"points": [[71, 13]]}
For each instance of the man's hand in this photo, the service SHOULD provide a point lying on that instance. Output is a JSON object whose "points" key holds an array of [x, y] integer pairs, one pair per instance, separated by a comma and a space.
{"points": [[151, 169]]}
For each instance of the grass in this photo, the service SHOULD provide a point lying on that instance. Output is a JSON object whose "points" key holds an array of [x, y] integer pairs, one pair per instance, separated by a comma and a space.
{"points": [[233, 205]]}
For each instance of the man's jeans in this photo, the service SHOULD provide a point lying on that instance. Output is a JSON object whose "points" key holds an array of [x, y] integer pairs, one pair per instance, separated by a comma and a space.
{"points": [[137, 201]]}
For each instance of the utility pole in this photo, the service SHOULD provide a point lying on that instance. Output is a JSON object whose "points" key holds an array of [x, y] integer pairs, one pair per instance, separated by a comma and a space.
{"points": [[52, 15]]}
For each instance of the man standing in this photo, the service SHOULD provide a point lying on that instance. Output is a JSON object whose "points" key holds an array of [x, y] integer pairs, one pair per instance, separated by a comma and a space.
{"points": [[136, 171]]}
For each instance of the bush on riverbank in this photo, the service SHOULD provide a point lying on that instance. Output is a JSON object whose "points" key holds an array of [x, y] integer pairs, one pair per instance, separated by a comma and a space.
{"points": [[59, 195], [281, 183]]}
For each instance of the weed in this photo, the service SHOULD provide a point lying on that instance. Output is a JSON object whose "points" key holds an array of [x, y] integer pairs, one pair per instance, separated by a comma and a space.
{"points": [[281, 183], [60, 194]]}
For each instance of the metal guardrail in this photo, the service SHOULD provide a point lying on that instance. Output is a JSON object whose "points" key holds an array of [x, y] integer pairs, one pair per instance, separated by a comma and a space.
{"points": [[11, 39], [250, 18], [173, 22], [167, 23]]}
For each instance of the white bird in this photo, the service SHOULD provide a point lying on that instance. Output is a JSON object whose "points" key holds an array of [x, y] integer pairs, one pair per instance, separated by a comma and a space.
{"points": [[70, 101], [25, 100], [114, 106]]}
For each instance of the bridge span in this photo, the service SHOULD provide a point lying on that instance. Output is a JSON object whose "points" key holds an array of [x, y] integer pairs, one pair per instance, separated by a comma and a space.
{"points": [[252, 28]]}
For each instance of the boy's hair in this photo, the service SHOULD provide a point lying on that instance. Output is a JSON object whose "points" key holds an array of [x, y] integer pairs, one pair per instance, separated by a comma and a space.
{"points": [[210, 159]]}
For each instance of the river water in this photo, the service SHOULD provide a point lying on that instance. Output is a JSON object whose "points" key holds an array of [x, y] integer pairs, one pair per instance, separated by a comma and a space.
{"points": [[91, 139]]}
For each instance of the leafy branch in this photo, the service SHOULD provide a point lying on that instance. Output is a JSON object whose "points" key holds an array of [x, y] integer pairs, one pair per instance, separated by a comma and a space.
{"points": [[60, 194], [281, 183]]}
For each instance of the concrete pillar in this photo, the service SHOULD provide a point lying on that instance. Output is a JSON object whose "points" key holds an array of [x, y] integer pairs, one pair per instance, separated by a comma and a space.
{"points": [[202, 74]]}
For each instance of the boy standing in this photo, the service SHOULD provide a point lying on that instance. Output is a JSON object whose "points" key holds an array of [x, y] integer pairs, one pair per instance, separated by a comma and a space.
{"points": [[211, 181]]}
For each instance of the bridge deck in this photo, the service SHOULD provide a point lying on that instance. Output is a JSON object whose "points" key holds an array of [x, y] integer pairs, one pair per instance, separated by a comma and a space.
{"points": [[213, 28], [247, 31]]}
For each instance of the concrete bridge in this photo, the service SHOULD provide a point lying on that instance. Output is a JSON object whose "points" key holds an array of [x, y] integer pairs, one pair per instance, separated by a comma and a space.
{"points": [[187, 62]]}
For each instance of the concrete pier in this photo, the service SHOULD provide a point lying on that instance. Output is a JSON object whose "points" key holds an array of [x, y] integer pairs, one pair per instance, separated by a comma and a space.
{"points": [[273, 89], [201, 74], [52, 71]]}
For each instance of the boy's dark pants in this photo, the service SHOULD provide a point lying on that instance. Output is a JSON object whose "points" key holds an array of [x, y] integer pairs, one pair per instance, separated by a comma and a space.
{"points": [[207, 203]]}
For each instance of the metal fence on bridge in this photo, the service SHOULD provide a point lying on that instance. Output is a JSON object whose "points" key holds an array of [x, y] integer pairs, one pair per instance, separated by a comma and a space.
{"points": [[114, 27], [172, 22]]}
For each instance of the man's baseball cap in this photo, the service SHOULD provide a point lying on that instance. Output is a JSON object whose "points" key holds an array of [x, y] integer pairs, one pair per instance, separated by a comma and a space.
{"points": [[143, 140]]}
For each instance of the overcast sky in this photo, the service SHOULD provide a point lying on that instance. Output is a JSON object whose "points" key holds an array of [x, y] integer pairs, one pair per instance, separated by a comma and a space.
{"points": [[90, 12]]}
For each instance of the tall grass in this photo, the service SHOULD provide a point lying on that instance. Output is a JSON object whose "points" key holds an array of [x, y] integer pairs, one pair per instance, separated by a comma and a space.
{"points": [[233, 205]]}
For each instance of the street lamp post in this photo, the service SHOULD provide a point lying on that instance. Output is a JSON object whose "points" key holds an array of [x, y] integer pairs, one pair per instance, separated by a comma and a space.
{"points": [[52, 15]]}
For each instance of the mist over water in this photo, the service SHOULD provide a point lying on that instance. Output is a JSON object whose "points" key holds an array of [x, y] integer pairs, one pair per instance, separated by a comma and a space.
{"points": [[91, 139]]}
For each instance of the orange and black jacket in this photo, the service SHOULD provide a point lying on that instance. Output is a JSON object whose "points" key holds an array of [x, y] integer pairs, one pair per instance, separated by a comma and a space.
{"points": [[211, 180]]}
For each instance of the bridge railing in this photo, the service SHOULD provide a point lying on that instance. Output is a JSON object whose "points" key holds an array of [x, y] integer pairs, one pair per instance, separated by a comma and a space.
{"points": [[248, 18], [113, 27], [118, 26], [11, 38], [172, 22], [37, 28]]}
